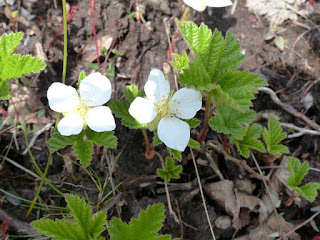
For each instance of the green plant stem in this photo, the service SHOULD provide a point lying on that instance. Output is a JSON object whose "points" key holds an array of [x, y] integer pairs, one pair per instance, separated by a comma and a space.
{"points": [[203, 133], [8, 7], [65, 41], [149, 154], [186, 13], [146, 139], [202, 195], [64, 71]]}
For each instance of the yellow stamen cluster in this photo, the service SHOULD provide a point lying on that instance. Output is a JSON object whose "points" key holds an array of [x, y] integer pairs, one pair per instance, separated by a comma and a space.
{"points": [[165, 108], [82, 109]]}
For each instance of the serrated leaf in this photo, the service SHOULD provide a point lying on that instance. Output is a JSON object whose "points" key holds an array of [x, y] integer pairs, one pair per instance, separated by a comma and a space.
{"points": [[91, 226], [120, 109], [175, 153], [241, 86], [297, 171], [106, 139], [15, 66], [9, 42], [193, 122], [193, 143], [181, 62], [229, 121], [83, 150], [170, 171], [219, 94], [57, 141], [145, 227], [4, 90], [59, 229], [131, 92], [273, 136], [309, 191], [250, 140]]}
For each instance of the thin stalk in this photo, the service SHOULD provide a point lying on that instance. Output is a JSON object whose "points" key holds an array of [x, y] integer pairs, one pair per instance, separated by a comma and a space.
{"points": [[149, 154], [64, 72], [146, 139], [203, 133], [8, 7], [186, 14], [202, 195]]}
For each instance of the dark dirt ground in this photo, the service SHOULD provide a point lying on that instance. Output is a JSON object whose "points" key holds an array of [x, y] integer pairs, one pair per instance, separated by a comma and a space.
{"points": [[288, 72]]}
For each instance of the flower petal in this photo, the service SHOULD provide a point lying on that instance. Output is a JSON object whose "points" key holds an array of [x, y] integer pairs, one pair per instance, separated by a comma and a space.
{"points": [[174, 133], [143, 110], [100, 119], [157, 87], [95, 89], [72, 124], [187, 102], [62, 98], [217, 3], [198, 5]]}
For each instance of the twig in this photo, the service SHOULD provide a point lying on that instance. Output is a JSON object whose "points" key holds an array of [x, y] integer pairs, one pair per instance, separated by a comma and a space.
{"points": [[21, 167], [202, 195], [301, 131], [268, 192], [308, 89], [35, 136], [179, 216], [288, 108], [242, 163], [302, 224], [111, 178]]}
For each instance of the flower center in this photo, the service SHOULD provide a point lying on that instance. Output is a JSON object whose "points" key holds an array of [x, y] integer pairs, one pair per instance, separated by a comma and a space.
{"points": [[82, 109], [166, 107]]}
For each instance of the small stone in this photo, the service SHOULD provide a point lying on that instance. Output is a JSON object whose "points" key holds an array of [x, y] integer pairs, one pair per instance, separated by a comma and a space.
{"points": [[223, 222]]}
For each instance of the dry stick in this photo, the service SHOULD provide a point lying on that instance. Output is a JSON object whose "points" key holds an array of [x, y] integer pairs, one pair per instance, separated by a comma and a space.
{"points": [[167, 191], [21, 167], [35, 136], [302, 224], [111, 179], [242, 163], [268, 192], [301, 131], [179, 216], [288, 108], [202, 195], [308, 88]]}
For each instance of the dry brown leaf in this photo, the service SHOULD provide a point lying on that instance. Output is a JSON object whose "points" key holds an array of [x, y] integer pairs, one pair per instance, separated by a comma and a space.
{"points": [[90, 51]]}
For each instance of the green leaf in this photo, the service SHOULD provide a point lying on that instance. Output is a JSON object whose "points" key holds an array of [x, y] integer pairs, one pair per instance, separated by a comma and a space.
{"points": [[9, 42], [219, 95], [82, 75], [92, 226], [241, 86], [156, 140], [229, 121], [181, 62], [120, 109], [57, 141], [131, 92], [145, 227], [175, 153], [170, 171], [4, 90], [297, 171], [193, 143], [273, 136], [83, 150], [15, 66], [117, 52], [93, 66], [309, 191], [106, 139], [193, 122], [59, 229], [250, 140]]}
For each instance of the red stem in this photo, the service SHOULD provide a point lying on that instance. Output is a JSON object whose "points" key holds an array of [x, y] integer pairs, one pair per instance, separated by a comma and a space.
{"points": [[71, 14], [94, 30]]}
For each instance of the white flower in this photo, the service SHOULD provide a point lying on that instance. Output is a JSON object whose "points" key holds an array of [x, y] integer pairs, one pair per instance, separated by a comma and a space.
{"points": [[184, 104], [201, 5], [83, 108]]}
